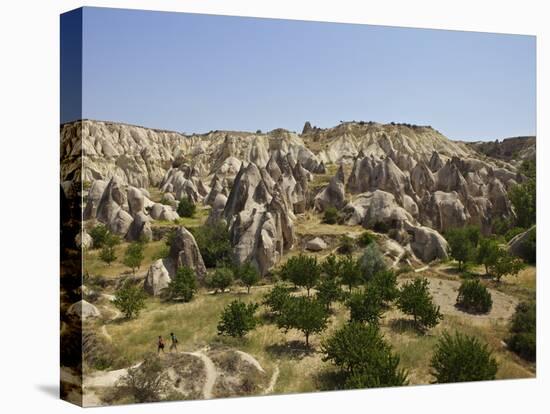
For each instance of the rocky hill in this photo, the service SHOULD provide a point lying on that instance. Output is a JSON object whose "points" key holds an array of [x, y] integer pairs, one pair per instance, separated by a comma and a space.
{"points": [[405, 180]]}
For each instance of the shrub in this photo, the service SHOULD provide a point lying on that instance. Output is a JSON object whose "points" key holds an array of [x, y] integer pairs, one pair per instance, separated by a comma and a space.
{"points": [[146, 382], [214, 243], [134, 256], [365, 239], [461, 358], [372, 262], [365, 306], [347, 245], [504, 264], [237, 319], [415, 299], [513, 232], [524, 198], [331, 267], [303, 314], [363, 357], [276, 299], [186, 208], [99, 235], [129, 299], [221, 279], [301, 270], [523, 330], [183, 285], [330, 216], [247, 274], [474, 297], [107, 254], [487, 253]]}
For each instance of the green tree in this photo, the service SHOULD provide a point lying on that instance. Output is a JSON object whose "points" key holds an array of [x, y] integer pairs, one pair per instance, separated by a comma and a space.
{"points": [[461, 358], [385, 283], [504, 264], [304, 314], [237, 319], [463, 243], [363, 357], [329, 291], [183, 285], [214, 243], [524, 197], [99, 235], [474, 297], [487, 253], [247, 274], [221, 279], [365, 306], [134, 256], [186, 208], [331, 267], [365, 239], [350, 272], [129, 299], [330, 216], [415, 300], [372, 262], [107, 254], [523, 331], [276, 299], [347, 245], [301, 270]]}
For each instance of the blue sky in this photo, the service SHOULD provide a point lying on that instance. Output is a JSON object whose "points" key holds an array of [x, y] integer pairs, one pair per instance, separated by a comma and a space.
{"points": [[195, 73]]}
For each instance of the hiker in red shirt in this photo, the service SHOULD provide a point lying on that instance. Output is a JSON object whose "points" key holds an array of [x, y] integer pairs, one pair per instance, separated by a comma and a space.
{"points": [[160, 345]]}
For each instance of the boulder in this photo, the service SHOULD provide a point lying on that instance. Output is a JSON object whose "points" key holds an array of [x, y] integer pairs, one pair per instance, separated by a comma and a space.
{"points": [[83, 310], [333, 195], [94, 196], [157, 278], [84, 240], [427, 244], [315, 245], [521, 244]]}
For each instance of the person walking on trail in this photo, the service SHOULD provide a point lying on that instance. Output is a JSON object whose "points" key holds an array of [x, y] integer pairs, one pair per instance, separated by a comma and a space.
{"points": [[160, 345], [174, 344]]}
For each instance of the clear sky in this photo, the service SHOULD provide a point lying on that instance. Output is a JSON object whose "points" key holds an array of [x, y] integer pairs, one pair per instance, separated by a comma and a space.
{"points": [[195, 73]]}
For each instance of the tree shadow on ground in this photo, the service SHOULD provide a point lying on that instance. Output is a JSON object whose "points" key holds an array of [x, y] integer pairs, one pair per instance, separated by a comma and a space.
{"points": [[329, 380], [403, 325], [291, 349]]}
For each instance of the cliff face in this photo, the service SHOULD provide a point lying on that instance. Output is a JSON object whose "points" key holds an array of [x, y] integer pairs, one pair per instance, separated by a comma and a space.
{"points": [[409, 178], [514, 150]]}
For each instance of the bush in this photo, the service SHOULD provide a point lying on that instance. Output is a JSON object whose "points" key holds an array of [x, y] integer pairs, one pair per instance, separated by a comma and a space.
{"points": [[214, 243], [415, 299], [247, 274], [365, 239], [237, 319], [363, 357], [487, 253], [276, 299], [330, 216], [461, 358], [183, 286], [503, 264], [146, 382], [474, 297], [303, 314], [186, 208], [372, 262], [523, 330], [99, 235], [347, 245], [107, 254], [510, 234], [463, 243], [524, 197], [129, 299], [134, 256], [331, 267], [301, 270], [220, 280]]}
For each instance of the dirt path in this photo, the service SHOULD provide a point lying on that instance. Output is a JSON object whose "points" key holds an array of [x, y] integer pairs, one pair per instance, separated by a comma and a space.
{"points": [[273, 381], [210, 370], [250, 359]]}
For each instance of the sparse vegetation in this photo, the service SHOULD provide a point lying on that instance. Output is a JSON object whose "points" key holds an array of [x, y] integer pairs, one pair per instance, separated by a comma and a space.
{"points": [[365, 239], [183, 285], [523, 328], [330, 215], [347, 245], [147, 382], [461, 358], [186, 208]]}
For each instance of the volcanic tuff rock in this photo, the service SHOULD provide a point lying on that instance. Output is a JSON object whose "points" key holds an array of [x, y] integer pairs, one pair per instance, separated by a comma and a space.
{"points": [[185, 252], [157, 278], [403, 177]]}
